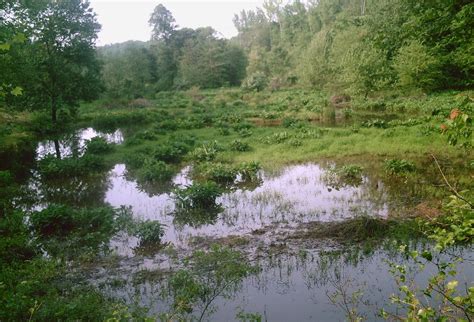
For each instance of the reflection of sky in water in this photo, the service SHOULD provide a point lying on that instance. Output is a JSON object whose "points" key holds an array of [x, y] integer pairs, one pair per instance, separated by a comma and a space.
{"points": [[76, 141], [297, 195]]}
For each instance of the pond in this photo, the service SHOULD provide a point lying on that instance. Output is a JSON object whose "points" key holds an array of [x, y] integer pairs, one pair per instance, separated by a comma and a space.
{"points": [[297, 280]]}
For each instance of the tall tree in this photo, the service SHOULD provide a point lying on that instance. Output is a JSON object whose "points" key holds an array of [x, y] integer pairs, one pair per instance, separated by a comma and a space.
{"points": [[162, 22], [60, 56]]}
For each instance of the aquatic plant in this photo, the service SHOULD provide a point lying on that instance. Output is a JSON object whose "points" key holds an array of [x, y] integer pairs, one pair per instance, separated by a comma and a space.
{"points": [[198, 195], [397, 166], [206, 152], [149, 232], [98, 145], [155, 171]]}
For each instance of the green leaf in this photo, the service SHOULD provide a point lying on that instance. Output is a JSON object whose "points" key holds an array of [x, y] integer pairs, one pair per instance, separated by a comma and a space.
{"points": [[5, 46], [17, 91]]}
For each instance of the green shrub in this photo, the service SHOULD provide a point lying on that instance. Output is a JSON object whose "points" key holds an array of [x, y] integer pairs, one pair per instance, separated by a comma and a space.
{"points": [[206, 152], [240, 146], [396, 166], [198, 195], [244, 133], [51, 167], [255, 82], [171, 151], [350, 171], [98, 145], [218, 172], [249, 170], [155, 171], [149, 232]]}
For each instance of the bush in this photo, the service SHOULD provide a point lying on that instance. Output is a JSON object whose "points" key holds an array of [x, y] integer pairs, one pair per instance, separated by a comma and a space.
{"points": [[416, 67], [249, 170], [51, 167], [171, 151], [218, 172], [155, 171], [98, 145], [396, 166], [149, 232], [255, 82], [206, 152], [140, 103], [240, 146], [198, 195]]}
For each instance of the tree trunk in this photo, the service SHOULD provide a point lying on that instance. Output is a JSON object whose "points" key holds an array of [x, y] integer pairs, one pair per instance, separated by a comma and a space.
{"points": [[57, 148]]}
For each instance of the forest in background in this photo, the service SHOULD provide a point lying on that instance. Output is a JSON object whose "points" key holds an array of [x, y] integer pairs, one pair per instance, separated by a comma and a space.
{"points": [[377, 93], [356, 47]]}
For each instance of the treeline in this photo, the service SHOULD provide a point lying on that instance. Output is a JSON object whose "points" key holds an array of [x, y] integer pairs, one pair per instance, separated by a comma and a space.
{"points": [[360, 45], [174, 59]]}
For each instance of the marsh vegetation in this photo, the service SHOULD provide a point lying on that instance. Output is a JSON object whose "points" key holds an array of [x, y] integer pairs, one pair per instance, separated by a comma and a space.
{"points": [[262, 187]]}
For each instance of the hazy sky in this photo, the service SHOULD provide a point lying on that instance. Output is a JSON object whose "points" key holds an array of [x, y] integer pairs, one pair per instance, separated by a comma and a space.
{"points": [[123, 20]]}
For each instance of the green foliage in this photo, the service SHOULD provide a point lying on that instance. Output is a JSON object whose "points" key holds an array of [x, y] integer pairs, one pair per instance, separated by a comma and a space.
{"points": [[149, 232], [55, 67], [207, 276], [155, 171], [255, 82], [249, 170], [98, 145], [69, 232], [217, 172], [456, 227], [458, 127], [416, 67], [206, 152], [51, 167], [238, 145], [396, 166], [198, 195]]}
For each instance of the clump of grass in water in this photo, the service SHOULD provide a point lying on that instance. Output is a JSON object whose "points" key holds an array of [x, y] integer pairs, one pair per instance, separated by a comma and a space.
{"points": [[198, 195], [396, 166], [98, 145]]}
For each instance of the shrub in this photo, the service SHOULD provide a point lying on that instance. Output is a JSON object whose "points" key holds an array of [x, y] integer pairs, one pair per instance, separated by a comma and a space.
{"points": [[218, 172], [240, 146], [255, 82], [244, 133], [98, 145], [51, 167], [350, 171], [206, 152], [155, 171], [249, 170], [396, 166], [171, 151], [198, 195], [416, 67], [149, 232]]}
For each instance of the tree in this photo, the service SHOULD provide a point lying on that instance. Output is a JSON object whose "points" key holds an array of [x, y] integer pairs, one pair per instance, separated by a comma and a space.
{"points": [[162, 22], [59, 63]]}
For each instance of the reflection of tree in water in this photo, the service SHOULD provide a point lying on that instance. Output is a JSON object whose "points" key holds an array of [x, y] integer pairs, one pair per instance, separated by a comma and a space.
{"points": [[150, 188], [88, 190]]}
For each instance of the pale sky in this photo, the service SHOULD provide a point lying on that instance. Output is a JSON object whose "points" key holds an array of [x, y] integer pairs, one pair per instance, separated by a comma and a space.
{"points": [[124, 20]]}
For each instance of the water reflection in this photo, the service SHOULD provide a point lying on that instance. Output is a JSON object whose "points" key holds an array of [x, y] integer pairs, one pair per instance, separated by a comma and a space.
{"points": [[308, 286], [72, 145], [296, 195]]}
